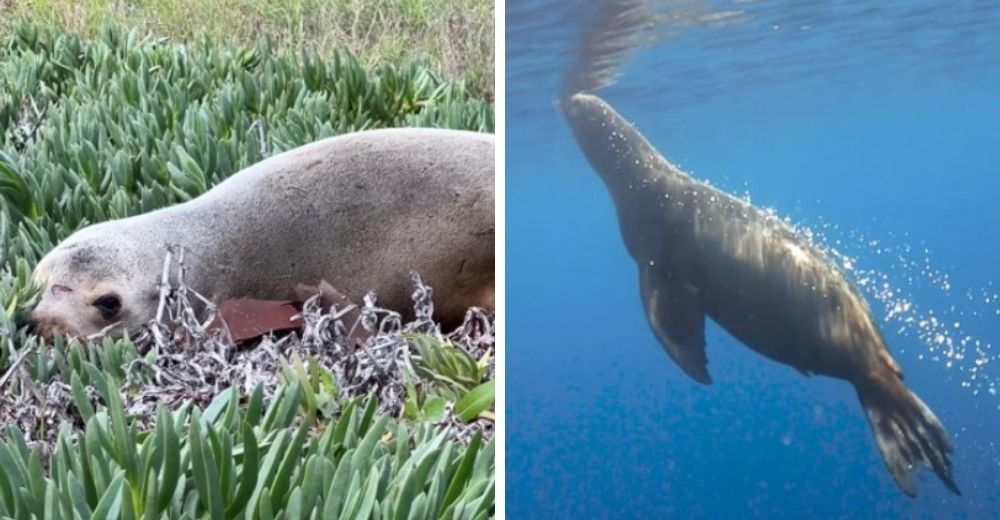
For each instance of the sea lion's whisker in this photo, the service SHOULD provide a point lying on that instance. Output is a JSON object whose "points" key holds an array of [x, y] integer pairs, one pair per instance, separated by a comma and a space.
{"points": [[101, 333]]}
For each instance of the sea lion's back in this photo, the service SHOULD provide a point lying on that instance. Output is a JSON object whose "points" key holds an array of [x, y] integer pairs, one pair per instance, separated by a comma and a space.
{"points": [[362, 211], [384, 158]]}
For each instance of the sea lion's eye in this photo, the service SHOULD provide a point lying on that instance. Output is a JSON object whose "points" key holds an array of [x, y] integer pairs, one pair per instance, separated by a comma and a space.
{"points": [[109, 305], [60, 290]]}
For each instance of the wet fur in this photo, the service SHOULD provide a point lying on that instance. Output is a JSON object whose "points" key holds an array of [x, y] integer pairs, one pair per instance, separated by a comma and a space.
{"points": [[702, 252]]}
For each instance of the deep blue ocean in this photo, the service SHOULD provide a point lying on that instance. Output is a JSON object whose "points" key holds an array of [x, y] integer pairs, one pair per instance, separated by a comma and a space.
{"points": [[875, 124]]}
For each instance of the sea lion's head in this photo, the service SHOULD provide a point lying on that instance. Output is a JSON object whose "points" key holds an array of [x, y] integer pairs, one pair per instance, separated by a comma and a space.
{"points": [[611, 144], [587, 115], [93, 285]]}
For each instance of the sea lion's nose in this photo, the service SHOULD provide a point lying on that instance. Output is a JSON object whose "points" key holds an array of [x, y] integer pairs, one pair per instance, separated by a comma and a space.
{"points": [[40, 324], [38, 327], [572, 105], [565, 105]]}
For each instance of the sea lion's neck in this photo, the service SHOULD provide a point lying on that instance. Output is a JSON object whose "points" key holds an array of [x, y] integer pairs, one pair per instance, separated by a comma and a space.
{"points": [[645, 187], [622, 157], [172, 229]]}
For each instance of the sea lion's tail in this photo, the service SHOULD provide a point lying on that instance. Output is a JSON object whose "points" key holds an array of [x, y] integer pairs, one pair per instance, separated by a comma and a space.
{"points": [[906, 431]]}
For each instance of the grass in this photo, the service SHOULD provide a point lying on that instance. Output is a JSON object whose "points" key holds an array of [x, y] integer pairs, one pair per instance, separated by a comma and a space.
{"points": [[454, 37]]}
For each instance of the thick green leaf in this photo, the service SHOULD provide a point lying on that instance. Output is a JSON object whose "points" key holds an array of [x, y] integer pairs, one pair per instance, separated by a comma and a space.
{"points": [[461, 476], [206, 474], [249, 474], [169, 445], [110, 503], [476, 402]]}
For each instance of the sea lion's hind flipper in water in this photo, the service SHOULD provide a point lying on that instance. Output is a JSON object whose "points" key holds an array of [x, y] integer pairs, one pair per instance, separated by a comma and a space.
{"points": [[677, 319], [906, 431]]}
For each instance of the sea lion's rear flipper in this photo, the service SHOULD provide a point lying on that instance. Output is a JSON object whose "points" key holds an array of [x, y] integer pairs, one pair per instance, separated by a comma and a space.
{"points": [[906, 431], [676, 317]]}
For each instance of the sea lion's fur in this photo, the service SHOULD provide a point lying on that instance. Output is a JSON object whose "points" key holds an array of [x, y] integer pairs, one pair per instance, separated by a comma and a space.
{"points": [[361, 211], [702, 252]]}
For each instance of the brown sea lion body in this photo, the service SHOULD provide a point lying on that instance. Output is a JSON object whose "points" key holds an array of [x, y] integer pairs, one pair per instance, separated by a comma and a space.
{"points": [[362, 211], [704, 253]]}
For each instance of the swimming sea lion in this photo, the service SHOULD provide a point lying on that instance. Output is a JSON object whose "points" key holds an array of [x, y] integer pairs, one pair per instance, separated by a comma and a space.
{"points": [[361, 211], [702, 252]]}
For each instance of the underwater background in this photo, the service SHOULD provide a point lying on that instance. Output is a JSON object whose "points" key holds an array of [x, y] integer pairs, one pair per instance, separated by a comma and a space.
{"points": [[873, 124]]}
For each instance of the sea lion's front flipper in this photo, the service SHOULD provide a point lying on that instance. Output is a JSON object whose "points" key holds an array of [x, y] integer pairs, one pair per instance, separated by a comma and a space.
{"points": [[676, 317]]}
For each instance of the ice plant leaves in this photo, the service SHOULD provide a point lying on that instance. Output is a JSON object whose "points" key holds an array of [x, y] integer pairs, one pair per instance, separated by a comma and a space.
{"points": [[451, 371], [476, 402], [196, 467]]}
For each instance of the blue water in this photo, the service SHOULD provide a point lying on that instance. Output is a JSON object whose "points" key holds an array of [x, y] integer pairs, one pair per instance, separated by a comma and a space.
{"points": [[875, 124]]}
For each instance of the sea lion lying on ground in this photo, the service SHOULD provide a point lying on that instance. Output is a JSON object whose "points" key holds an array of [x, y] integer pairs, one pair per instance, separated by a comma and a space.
{"points": [[361, 211], [702, 252]]}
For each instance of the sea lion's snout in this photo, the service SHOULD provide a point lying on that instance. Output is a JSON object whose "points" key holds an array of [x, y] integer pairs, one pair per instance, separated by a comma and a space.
{"points": [[577, 105], [584, 113], [591, 119], [610, 143], [47, 326], [49, 315], [569, 106]]}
